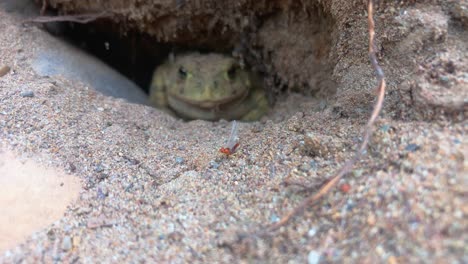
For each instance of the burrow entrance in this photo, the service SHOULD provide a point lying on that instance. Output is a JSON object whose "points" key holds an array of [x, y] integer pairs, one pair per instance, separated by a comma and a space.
{"points": [[289, 46]]}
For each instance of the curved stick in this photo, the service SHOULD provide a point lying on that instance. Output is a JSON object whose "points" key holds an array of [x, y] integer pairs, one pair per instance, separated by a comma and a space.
{"points": [[366, 136]]}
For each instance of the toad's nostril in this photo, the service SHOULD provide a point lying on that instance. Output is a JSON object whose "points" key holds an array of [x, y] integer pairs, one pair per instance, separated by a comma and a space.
{"points": [[207, 92]]}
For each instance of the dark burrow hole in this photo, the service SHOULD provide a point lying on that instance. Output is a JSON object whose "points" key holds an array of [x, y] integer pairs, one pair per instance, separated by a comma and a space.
{"points": [[134, 55], [137, 55]]}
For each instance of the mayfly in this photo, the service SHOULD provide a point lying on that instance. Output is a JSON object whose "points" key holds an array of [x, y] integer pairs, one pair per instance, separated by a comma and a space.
{"points": [[233, 141]]}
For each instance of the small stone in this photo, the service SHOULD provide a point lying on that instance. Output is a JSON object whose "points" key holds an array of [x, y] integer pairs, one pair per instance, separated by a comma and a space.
{"points": [[67, 228], [84, 210], [312, 232], [76, 241], [313, 164], [345, 187], [321, 145], [304, 167], [392, 260], [385, 128], [379, 250], [71, 167], [257, 128], [371, 219], [99, 168], [412, 147], [102, 176], [313, 257], [274, 218], [444, 79], [66, 243], [452, 181], [458, 214], [179, 160], [4, 70], [102, 192], [175, 236], [27, 94], [295, 122], [214, 164], [129, 187], [358, 173], [131, 161]]}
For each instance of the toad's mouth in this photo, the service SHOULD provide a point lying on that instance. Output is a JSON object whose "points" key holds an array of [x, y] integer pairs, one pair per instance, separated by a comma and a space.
{"points": [[177, 100]]}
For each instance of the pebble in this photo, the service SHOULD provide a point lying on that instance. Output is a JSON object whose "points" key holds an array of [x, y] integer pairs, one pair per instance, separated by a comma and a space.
{"points": [[379, 250], [129, 187], [102, 176], [27, 94], [102, 192], [99, 168], [4, 70], [321, 145], [358, 173], [214, 164], [66, 243], [304, 167], [392, 260], [294, 124], [371, 220], [84, 210], [175, 236], [179, 160], [458, 214], [313, 257], [444, 79], [312, 232], [385, 128], [412, 147], [71, 167], [274, 218], [313, 164], [452, 181]]}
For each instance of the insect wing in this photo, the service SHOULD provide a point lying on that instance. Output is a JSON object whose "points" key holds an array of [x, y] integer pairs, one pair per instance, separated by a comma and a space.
{"points": [[233, 141]]}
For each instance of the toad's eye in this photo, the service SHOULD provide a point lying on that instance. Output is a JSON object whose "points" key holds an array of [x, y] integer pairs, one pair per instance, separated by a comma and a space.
{"points": [[182, 73], [232, 72]]}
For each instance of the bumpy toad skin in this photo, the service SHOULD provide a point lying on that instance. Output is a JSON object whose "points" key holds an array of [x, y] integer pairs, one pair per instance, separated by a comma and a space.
{"points": [[207, 86]]}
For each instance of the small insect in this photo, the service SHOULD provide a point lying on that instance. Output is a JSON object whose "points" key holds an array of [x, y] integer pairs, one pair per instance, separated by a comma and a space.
{"points": [[233, 141]]}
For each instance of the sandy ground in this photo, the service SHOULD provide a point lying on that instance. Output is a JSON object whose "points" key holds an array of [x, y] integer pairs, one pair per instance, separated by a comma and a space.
{"points": [[155, 188]]}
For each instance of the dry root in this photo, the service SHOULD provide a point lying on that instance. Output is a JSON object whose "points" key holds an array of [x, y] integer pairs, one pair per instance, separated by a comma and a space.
{"points": [[347, 167]]}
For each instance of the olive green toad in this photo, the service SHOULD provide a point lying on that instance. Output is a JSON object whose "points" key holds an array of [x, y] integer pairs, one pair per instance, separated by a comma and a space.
{"points": [[208, 86]]}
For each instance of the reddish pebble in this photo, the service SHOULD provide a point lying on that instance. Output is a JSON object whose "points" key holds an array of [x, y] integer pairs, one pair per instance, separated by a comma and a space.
{"points": [[345, 188]]}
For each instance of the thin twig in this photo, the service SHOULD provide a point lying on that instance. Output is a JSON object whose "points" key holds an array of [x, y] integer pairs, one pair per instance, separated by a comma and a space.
{"points": [[82, 18], [366, 136]]}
